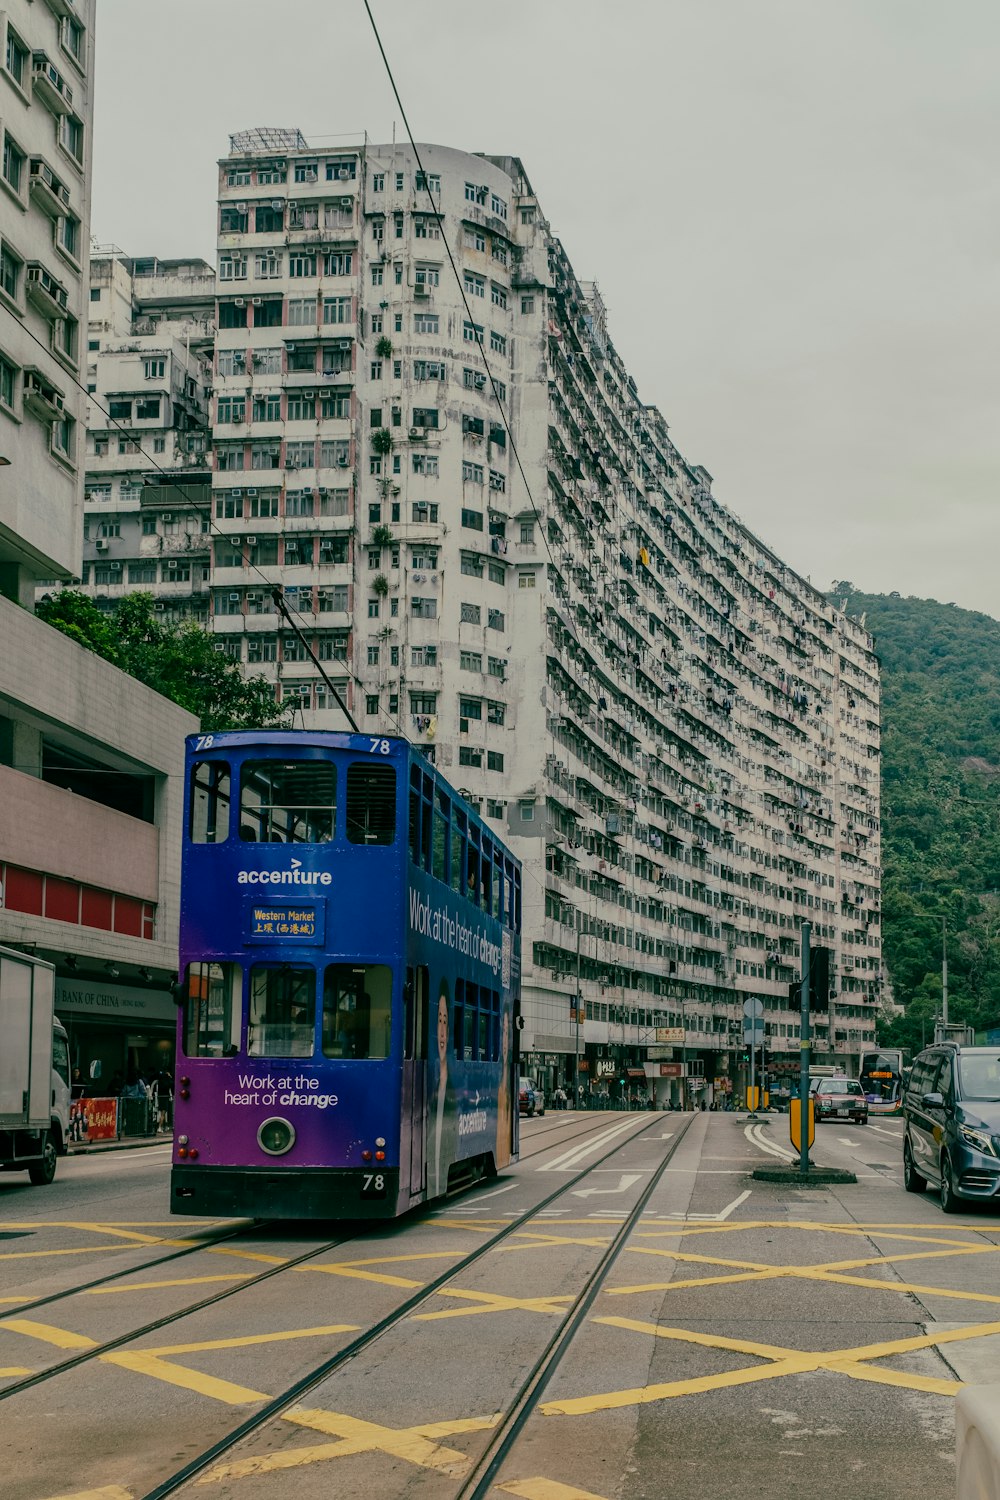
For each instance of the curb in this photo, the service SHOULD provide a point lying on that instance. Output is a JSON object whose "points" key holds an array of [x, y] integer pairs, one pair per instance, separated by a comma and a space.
{"points": [[94, 1148], [818, 1177]]}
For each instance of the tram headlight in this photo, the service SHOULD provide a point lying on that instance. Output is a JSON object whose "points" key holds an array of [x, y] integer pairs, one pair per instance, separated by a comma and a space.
{"points": [[276, 1136]]}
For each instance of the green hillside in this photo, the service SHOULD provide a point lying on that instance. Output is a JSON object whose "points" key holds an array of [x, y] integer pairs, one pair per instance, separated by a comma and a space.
{"points": [[940, 806]]}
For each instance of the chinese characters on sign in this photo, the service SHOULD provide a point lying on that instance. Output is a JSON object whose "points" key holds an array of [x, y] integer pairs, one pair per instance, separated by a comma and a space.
{"points": [[283, 921]]}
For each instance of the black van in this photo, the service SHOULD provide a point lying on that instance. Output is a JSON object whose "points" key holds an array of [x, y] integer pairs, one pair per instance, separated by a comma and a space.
{"points": [[951, 1109]]}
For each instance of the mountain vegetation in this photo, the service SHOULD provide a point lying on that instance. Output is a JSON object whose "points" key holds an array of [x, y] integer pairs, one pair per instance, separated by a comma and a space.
{"points": [[940, 807], [179, 661]]}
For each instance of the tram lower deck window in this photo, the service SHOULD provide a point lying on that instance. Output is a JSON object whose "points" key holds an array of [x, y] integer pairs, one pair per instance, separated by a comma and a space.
{"points": [[357, 1010], [212, 1010], [282, 1012]]}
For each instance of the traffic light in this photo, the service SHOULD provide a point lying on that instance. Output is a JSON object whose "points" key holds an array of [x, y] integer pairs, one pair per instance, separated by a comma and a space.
{"points": [[819, 987]]}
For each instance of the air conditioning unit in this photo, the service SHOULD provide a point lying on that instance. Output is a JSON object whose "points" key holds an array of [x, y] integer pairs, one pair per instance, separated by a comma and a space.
{"points": [[102, 544], [159, 608], [277, 204], [417, 432], [251, 492], [343, 461], [289, 464], [241, 207], [256, 301], [344, 174], [421, 289], [236, 494], [239, 302], [172, 564], [347, 202], [234, 598], [251, 541], [308, 395]]}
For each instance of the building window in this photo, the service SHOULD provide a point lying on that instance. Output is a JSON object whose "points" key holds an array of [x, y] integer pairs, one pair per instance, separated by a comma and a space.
{"points": [[267, 266], [527, 533], [472, 473], [470, 614], [425, 322], [154, 369], [472, 333], [499, 250], [301, 408], [13, 164], [301, 312], [336, 309], [377, 276], [494, 760], [268, 408], [498, 481], [424, 609], [472, 564], [17, 57], [475, 239], [378, 182], [469, 755], [426, 464], [470, 708], [470, 661], [475, 286], [302, 263], [68, 235], [498, 295], [422, 510], [71, 137], [526, 581], [527, 304], [371, 703], [10, 271], [498, 341], [8, 383], [231, 409], [498, 206], [495, 620]]}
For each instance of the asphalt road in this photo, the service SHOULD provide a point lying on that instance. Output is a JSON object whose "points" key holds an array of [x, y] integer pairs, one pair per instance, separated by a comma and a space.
{"points": [[746, 1338]]}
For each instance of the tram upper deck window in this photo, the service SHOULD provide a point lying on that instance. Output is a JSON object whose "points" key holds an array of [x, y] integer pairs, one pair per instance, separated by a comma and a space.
{"points": [[210, 797], [371, 803], [288, 802], [357, 1010], [282, 1011], [212, 1010]]}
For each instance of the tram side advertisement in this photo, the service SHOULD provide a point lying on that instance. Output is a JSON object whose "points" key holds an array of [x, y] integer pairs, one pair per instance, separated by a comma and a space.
{"points": [[470, 958]]}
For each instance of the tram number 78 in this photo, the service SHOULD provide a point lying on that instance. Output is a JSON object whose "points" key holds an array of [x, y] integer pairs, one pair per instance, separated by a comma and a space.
{"points": [[373, 1185]]}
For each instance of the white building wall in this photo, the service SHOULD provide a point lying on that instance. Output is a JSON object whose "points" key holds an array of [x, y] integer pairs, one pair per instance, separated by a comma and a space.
{"points": [[46, 82]]}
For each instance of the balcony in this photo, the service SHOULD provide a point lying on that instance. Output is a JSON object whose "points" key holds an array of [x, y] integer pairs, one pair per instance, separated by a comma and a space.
{"points": [[46, 291], [51, 195], [50, 87]]}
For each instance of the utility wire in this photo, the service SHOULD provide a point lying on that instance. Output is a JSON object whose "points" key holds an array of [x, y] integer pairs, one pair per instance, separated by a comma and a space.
{"points": [[436, 209]]}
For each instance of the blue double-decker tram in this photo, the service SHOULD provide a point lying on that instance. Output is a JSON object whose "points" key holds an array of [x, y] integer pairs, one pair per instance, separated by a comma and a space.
{"points": [[350, 970]]}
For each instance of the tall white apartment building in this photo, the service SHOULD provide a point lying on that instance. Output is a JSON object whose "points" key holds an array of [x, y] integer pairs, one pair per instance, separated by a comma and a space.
{"points": [[147, 485], [493, 545], [46, 86]]}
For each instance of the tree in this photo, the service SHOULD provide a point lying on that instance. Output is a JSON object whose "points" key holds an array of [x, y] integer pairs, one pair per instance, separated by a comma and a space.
{"points": [[179, 661]]}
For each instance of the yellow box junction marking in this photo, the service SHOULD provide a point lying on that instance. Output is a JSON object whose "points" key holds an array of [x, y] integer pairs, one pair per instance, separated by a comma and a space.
{"points": [[155, 1286], [154, 1362], [418, 1445], [489, 1302], [62, 1338], [545, 1489]]}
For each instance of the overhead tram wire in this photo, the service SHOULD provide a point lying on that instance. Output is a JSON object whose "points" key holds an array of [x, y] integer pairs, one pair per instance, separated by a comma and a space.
{"points": [[435, 208], [193, 505]]}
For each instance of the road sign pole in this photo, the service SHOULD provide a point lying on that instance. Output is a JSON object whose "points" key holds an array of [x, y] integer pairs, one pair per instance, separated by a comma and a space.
{"points": [[753, 1071], [804, 1054]]}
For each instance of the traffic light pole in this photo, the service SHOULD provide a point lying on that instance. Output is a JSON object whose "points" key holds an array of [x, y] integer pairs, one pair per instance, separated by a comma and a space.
{"points": [[805, 933]]}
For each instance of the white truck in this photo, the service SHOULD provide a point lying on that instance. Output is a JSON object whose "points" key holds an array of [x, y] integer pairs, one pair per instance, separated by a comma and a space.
{"points": [[34, 1069]]}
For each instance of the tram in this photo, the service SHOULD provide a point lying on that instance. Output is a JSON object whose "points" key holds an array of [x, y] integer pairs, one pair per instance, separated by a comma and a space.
{"points": [[881, 1078], [349, 981]]}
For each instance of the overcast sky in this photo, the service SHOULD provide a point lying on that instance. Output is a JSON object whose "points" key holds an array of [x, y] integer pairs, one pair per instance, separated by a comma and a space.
{"points": [[790, 207]]}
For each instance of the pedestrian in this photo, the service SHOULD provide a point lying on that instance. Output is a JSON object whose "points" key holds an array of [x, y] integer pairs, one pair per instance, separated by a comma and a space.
{"points": [[163, 1098], [560, 1098]]}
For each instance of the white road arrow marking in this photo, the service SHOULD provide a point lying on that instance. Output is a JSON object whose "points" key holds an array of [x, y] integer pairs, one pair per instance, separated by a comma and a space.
{"points": [[625, 1181]]}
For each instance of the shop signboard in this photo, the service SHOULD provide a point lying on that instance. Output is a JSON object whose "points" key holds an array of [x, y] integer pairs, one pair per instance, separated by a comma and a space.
{"points": [[671, 1070], [674, 1034], [114, 1002]]}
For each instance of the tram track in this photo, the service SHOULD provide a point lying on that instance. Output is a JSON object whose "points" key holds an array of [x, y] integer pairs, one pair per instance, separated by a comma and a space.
{"points": [[293, 1393]]}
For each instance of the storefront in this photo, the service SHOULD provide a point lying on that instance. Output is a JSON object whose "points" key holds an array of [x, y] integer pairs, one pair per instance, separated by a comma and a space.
{"points": [[115, 1030]]}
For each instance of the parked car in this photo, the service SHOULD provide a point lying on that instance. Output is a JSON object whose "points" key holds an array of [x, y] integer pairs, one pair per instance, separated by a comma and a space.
{"points": [[839, 1099], [951, 1113]]}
